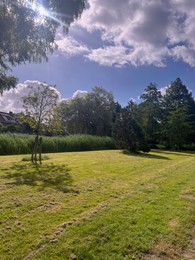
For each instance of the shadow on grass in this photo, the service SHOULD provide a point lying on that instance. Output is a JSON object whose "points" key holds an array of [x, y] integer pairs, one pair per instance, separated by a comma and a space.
{"points": [[43, 176], [179, 153], [145, 155]]}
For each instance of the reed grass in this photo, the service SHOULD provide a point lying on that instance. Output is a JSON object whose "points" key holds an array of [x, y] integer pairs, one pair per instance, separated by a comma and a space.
{"points": [[11, 144]]}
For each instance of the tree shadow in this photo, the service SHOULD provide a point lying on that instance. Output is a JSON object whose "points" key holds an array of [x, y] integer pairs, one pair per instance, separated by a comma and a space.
{"points": [[145, 155], [43, 176], [179, 153]]}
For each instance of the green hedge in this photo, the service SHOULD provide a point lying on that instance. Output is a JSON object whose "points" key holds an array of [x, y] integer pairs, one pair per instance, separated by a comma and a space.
{"points": [[22, 143]]}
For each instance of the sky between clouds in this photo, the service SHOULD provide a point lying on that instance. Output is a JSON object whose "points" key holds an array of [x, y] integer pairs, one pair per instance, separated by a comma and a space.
{"points": [[134, 32]]}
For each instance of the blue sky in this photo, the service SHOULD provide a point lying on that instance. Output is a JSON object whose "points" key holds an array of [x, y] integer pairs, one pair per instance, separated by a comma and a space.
{"points": [[74, 73], [122, 46]]}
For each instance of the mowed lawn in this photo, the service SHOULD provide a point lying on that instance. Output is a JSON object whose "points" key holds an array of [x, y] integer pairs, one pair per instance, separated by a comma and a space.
{"points": [[98, 205]]}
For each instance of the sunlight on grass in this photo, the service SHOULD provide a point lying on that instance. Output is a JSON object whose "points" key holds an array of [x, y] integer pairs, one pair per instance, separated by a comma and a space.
{"points": [[97, 205]]}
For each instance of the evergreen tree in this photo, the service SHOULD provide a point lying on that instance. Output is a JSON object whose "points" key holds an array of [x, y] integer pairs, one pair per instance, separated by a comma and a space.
{"points": [[128, 133], [150, 113], [178, 119]]}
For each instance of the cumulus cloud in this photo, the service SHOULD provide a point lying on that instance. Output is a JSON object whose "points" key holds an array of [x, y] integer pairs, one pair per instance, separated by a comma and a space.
{"points": [[12, 100], [163, 90], [108, 56], [79, 94], [69, 46], [137, 32]]}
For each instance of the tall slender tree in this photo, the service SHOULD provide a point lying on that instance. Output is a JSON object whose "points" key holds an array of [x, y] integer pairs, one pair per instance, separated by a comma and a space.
{"points": [[38, 105], [127, 132], [178, 119], [151, 113]]}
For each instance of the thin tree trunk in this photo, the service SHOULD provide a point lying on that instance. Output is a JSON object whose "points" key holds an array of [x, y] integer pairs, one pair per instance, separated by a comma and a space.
{"points": [[40, 149], [34, 151]]}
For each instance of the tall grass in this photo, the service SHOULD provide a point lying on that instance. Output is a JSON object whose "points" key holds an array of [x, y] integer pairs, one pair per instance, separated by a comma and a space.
{"points": [[22, 143]]}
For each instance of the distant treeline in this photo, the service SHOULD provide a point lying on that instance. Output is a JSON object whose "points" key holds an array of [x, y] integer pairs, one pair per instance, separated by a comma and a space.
{"points": [[13, 143], [157, 119]]}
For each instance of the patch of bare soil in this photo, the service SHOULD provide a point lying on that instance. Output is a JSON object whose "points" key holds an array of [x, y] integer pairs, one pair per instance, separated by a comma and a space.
{"points": [[163, 251], [166, 251], [190, 252]]}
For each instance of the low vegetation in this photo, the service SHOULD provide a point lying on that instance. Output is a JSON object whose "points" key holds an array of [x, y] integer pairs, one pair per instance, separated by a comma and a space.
{"points": [[98, 205], [12, 143]]}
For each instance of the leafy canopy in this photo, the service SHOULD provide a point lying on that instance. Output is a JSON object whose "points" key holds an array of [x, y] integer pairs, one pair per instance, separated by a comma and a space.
{"points": [[28, 31], [39, 105]]}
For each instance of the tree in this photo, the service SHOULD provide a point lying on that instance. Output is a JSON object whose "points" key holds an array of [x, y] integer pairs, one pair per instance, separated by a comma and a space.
{"points": [[39, 105], [128, 133], [179, 110], [28, 31], [74, 116], [91, 114], [151, 113], [177, 128], [178, 94], [100, 111]]}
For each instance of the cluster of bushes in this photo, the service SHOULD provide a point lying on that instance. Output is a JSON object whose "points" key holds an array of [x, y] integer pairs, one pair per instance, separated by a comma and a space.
{"points": [[22, 143]]}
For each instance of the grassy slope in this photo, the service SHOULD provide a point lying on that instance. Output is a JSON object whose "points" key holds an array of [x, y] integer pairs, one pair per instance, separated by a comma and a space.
{"points": [[97, 205]]}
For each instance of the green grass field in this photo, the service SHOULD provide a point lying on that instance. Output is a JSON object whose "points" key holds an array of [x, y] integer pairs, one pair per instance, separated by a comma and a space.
{"points": [[98, 205]]}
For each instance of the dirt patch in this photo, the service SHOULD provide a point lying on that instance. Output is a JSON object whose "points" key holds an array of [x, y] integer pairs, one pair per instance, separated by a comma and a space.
{"points": [[188, 196], [163, 251], [190, 252], [167, 251], [173, 223], [47, 206]]}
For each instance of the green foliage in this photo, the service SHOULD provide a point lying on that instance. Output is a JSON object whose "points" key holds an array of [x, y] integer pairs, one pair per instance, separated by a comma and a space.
{"points": [[178, 122], [22, 144], [28, 36], [150, 113], [177, 128], [127, 132], [39, 105], [7, 82], [15, 143], [91, 114], [178, 93]]}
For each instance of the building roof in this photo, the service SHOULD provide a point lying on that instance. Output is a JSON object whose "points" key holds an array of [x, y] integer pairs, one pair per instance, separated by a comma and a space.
{"points": [[7, 118]]}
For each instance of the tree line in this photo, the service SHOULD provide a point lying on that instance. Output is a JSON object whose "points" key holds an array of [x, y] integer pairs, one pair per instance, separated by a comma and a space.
{"points": [[167, 119], [157, 119]]}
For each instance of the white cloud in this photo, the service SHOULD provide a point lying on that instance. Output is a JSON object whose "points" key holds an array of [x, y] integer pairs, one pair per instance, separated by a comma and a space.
{"points": [[136, 32], [184, 53], [69, 46], [163, 90], [79, 94], [12, 100], [108, 56]]}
